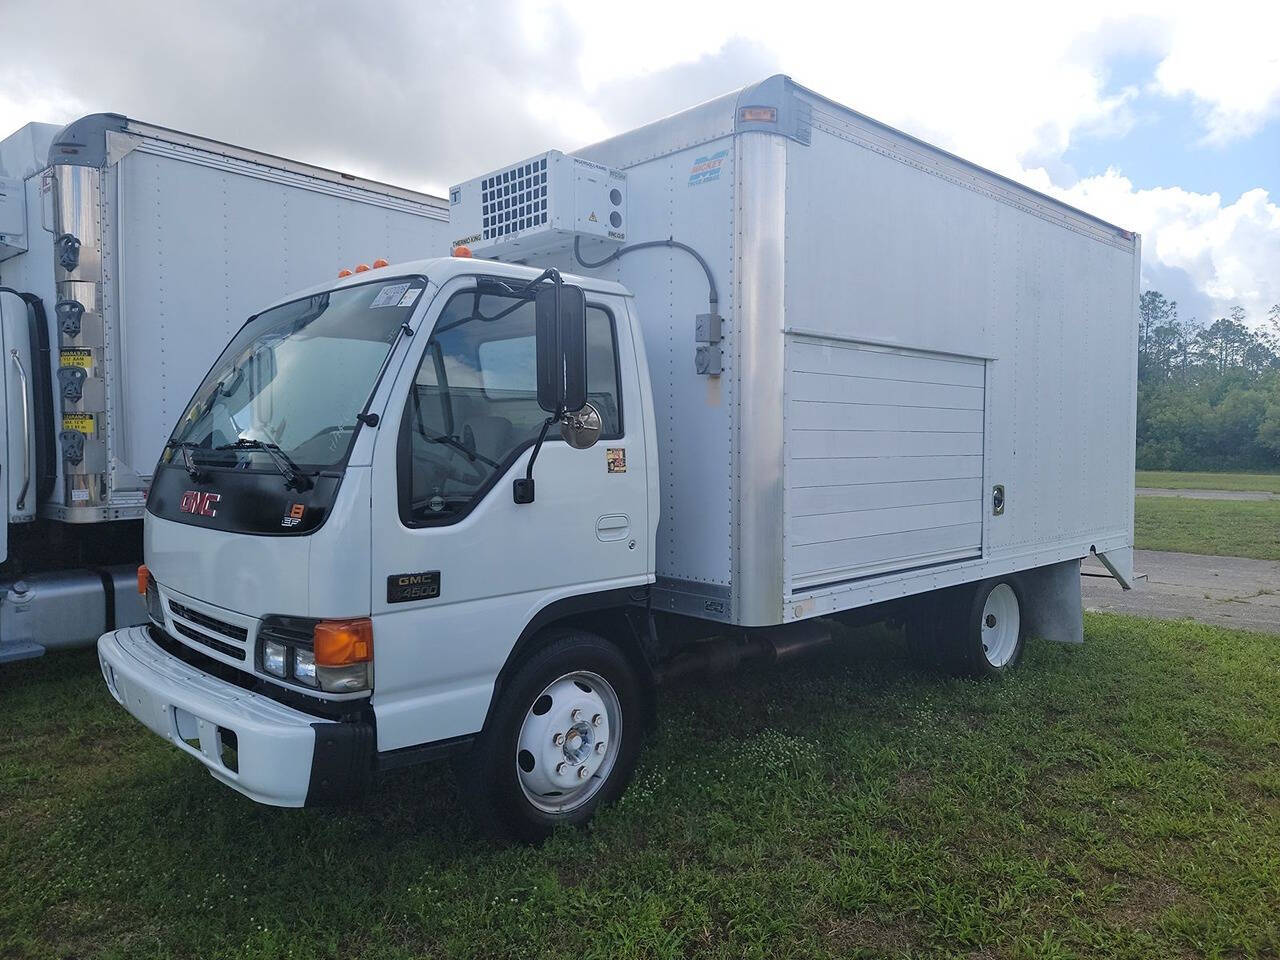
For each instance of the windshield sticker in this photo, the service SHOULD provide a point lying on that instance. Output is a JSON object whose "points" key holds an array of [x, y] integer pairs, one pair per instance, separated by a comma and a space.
{"points": [[389, 296], [409, 296], [706, 169]]}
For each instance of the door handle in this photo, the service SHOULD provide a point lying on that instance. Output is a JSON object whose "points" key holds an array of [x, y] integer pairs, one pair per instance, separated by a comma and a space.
{"points": [[613, 526]]}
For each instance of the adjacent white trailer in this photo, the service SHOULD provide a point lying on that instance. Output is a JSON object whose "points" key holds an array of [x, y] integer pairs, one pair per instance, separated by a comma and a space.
{"points": [[129, 254], [834, 372]]}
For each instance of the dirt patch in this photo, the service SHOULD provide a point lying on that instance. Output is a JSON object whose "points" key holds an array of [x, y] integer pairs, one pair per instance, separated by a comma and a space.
{"points": [[870, 934]]}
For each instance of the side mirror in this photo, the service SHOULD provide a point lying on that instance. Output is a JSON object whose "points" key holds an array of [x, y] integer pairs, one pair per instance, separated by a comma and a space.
{"points": [[561, 326]]}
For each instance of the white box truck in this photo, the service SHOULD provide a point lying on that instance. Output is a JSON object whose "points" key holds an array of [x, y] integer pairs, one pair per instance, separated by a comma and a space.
{"points": [[690, 393], [129, 254]]}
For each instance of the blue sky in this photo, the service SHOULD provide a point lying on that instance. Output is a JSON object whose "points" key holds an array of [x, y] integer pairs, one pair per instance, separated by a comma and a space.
{"points": [[1165, 147]]}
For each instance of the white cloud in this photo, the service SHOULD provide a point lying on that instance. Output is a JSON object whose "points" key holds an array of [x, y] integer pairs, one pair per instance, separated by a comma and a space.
{"points": [[427, 93], [1227, 59], [1230, 251]]}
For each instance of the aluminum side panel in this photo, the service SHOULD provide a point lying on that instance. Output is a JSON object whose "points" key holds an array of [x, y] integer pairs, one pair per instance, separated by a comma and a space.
{"points": [[694, 414], [894, 252]]}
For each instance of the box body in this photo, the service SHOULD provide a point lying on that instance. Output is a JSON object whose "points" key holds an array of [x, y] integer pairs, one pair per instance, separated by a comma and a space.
{"points": [[929, 371]]}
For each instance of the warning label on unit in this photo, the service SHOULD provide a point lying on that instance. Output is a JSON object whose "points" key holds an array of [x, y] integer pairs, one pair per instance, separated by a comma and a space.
{"points": [[76, 358], [389, 296], [78, 421]]}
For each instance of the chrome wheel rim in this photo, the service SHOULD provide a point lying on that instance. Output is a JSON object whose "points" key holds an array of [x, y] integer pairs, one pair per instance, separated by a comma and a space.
{"points": [[1001, 625], [568, 742]]}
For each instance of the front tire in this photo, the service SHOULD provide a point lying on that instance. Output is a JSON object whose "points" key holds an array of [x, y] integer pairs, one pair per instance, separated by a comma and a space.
{"points": [[563, 739]]}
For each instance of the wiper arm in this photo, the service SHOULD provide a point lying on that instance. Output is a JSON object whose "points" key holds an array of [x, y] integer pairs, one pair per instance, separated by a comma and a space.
{"points": [[459, 445], [292, 473], [186, 446]]}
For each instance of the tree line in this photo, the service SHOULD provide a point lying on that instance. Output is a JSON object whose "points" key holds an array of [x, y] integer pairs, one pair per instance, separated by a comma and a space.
{"points": [[1208, 394]]}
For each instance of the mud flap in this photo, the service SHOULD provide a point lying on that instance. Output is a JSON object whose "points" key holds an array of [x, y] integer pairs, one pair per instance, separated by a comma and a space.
{"points": [[1051, 602]]}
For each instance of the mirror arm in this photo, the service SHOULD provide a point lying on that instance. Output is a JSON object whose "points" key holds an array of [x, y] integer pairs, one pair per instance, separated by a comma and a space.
{"points": [[522, 487]]}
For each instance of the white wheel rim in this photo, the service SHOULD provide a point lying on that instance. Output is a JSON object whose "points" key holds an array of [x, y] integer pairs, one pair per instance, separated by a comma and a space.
{"points": [[1001, 624], [568, 742]]}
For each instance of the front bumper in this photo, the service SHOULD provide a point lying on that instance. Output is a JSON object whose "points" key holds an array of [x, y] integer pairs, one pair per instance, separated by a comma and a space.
{"points": [[270, 752]]}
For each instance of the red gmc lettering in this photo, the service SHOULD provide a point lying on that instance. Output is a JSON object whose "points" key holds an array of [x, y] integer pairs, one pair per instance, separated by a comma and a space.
{"points": [[201, 504]]}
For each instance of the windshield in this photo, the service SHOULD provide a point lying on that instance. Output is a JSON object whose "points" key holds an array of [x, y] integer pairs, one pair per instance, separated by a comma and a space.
{"points": [[294, 380]]}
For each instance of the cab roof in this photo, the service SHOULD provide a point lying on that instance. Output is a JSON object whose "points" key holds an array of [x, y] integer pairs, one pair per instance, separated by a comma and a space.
{"points": [[440, 270]]}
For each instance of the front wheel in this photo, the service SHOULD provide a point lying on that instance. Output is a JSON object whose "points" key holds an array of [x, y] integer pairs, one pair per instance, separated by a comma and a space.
{"points": [[563, 739]]}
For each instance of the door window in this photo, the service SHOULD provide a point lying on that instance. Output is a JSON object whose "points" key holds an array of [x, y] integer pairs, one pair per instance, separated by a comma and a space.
{"points": [[473, 406]]}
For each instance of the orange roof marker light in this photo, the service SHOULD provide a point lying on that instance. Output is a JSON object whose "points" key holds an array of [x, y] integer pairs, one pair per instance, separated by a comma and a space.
{"points": [[362, 268], [379, 263], [343, 273], [461, 250]]}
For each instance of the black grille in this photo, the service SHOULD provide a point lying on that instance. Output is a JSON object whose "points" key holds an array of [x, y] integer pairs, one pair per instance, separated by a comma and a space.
{"points": [[226, 649], [514, 199], [229, 630]]}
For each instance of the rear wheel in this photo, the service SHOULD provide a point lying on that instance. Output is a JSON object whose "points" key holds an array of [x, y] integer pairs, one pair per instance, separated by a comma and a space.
{"points": [[974, 630], [993, 635], [563, 739]]}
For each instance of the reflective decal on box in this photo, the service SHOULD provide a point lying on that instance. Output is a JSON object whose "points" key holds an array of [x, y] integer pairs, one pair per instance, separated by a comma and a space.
{"points": [[616, 459], [76, 358], [705, 169], [403, 587], [78, 421]]}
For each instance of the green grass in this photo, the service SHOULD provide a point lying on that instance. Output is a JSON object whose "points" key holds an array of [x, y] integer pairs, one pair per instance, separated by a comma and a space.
{"points": [[1178, 480], [1120, 799], [1220, 528]]}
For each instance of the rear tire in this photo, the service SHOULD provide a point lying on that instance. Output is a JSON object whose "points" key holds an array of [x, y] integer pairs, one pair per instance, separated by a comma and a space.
{"points": [[563, 738], [994, 631], [973, 631]]}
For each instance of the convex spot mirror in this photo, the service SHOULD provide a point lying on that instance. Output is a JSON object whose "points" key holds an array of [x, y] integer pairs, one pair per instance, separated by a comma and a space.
{"points": [[581, 429], [561, 326]]}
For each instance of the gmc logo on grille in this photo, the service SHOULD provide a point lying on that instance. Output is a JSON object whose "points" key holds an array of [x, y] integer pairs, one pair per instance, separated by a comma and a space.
{"points": [[201, 504]]}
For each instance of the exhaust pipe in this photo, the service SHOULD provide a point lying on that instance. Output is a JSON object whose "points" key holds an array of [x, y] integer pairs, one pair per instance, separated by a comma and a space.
{"points": [[772, 644]]}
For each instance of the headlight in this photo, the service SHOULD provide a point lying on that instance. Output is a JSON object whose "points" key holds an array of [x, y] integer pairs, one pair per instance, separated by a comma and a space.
{"points": [[304, 667], [273, 657], [335, 656]]}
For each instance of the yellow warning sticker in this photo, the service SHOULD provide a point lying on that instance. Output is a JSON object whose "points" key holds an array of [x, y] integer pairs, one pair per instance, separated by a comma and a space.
{"points": [[78, 421], [76, 358]]}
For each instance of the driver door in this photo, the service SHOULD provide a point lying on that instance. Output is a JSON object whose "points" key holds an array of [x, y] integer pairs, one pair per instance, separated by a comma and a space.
{"points": [[459, 568]]}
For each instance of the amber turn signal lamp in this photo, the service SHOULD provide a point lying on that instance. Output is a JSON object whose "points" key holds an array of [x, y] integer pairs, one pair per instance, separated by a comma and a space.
{"points": [[343, 273], [143, 576], [461, 250], [342, 642], [379, 263]]}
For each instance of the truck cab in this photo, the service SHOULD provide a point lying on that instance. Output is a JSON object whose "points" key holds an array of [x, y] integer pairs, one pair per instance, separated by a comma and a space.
{"points": [[338, 573]]}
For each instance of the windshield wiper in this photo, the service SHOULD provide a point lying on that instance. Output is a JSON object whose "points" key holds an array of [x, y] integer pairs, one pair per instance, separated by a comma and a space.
{"points": [[186, 446], [292, 473]]}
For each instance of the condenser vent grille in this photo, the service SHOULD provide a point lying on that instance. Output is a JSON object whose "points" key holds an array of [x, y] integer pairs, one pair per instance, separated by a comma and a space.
{"points": [[514, 199]]}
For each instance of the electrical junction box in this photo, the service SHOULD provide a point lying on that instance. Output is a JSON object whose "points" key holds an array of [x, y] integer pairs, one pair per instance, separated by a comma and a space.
{"points": [[13, 218], [539, 206]]}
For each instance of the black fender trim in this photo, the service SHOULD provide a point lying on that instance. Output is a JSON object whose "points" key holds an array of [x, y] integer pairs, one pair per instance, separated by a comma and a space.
{"points": [[632, 602]]}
